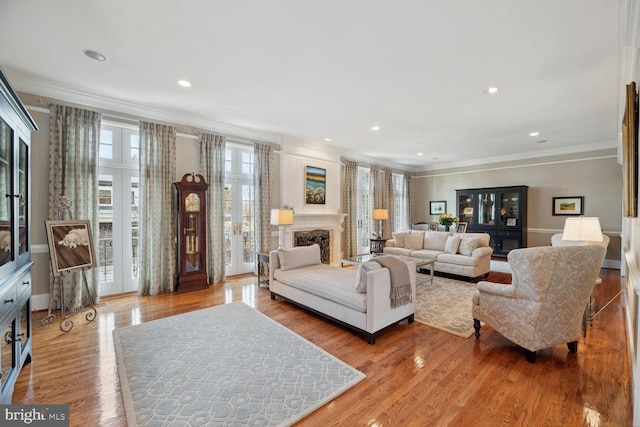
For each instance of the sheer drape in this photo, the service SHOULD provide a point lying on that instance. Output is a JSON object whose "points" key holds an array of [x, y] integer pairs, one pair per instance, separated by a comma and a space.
{"points": [[388, 202], [212, 151], [157, 221], [263, 183], [73, 172], [350, 206]]}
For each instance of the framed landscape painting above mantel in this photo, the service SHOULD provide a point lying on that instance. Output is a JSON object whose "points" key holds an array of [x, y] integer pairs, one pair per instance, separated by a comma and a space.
{"points": [[568, 205], [315, 184]]}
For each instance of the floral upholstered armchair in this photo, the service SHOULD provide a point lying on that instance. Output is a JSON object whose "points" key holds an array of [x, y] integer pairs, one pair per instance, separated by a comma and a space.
{"points": [[545, 302]]}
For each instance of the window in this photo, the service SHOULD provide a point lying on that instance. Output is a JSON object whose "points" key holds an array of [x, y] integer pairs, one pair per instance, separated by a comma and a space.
{"points": [[400, 213]]}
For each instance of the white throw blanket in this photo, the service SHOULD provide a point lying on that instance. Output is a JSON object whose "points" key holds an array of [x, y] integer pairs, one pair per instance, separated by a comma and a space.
{"points": [[400, 280]]}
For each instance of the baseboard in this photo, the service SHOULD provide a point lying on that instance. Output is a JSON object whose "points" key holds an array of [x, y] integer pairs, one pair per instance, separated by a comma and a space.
{"points": [[39, 302]]}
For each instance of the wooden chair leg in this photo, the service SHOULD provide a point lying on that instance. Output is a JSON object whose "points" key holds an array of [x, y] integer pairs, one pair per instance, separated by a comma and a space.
{"points": [[573, 346], [476, 326], [531, 356]]}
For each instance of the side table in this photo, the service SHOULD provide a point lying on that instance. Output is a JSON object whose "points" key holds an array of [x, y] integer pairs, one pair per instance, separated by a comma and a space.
{"points": [[376, 245], [263, 269]]}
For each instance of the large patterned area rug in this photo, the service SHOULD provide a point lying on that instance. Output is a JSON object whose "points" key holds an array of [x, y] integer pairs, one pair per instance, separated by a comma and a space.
{"points": [[445, 304], [229, 365]]}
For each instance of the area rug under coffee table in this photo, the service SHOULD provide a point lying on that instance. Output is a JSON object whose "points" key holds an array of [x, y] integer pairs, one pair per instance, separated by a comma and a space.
{"points": [[445, 304], [226, 365]]}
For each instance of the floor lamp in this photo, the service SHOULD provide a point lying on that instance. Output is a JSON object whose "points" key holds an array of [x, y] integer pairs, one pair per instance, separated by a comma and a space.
{"points": [[281, 218], [380, 215]]}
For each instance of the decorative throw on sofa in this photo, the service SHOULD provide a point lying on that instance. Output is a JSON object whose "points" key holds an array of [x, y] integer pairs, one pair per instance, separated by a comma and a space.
{"points": [[400, 280]]}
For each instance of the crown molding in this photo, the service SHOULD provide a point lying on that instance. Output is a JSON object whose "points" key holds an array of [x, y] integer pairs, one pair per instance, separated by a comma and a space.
{"points": [[50, 89]]}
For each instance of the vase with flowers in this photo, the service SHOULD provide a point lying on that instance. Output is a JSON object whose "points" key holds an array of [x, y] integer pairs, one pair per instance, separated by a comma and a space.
{"points": [[447, 220]]}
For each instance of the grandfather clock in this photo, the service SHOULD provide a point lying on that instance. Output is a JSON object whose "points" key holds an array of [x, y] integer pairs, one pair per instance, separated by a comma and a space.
{"points": [[191, 205]]}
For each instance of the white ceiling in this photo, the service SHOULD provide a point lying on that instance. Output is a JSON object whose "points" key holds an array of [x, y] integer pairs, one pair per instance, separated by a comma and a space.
{"points": [[303, 71]]}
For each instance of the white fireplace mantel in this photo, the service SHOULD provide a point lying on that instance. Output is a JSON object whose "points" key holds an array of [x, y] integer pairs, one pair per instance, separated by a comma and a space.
{"points": [[334, 222]]}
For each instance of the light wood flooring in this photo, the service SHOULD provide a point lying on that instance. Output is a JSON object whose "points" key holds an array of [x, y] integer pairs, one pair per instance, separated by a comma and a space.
{"points": [[416, 375]]}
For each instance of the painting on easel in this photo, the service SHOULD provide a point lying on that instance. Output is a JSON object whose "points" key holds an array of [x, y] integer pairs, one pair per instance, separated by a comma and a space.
{"points": [[70, 246]]}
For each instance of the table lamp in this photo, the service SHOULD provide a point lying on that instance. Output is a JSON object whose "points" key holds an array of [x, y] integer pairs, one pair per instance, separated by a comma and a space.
{"points": [[281, 218], [582, 229], [380, 215]]}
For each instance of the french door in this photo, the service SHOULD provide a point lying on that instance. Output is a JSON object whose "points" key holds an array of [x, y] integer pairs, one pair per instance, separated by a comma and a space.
{"points": [[118, 234], [364, 209], [239, 226]]}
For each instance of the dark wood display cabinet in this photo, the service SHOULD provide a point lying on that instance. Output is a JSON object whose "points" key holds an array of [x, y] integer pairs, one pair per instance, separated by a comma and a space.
{"points": [[191, 205], [16, 126], [499, 211]]}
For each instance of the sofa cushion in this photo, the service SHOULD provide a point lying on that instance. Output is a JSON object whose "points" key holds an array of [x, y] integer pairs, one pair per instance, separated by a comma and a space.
{"points": [[399, 239], [414, 241], [436, 240], [397, 251], [361, 275], [458, 259], [426, 254], [468, 244], [326, 281], [452, 244], [299, 256]]}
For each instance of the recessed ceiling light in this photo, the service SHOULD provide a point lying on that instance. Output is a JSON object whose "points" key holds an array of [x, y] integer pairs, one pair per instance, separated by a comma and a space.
{"points": [[490, 90], [184, 83], [534, 134], [420, 154], [542, 141], [328, 139], [375, 128], [95, 55], [434, 158]]}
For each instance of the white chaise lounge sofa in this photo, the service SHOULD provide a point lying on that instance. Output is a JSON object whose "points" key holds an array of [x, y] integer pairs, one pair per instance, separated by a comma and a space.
{"points": [[297, 275]]}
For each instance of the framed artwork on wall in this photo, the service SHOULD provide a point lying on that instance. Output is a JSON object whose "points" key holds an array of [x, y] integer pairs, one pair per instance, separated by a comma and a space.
{"points": [[70, 246], [568, 205], [315, 185], [437, 207]]}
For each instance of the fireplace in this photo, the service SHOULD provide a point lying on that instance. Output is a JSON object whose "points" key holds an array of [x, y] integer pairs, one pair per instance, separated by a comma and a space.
{"points": [[311, 237]]}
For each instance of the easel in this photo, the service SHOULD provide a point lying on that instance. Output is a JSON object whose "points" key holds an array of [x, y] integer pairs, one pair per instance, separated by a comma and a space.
{"points": [[63, 204]]}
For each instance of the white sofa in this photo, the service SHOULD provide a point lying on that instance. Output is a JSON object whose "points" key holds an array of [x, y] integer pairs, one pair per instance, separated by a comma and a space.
{"points": [[298, 275], [462, 254]]}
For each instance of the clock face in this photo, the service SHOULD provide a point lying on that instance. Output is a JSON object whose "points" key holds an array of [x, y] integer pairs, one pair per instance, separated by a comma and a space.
{"points": [[192, 202]]}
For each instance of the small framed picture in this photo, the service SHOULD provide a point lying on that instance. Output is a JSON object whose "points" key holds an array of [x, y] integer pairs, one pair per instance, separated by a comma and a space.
{"points": [[70, 246], [568, 205], [467, 212], [461, 227], [433, 226], [511, 222], [437, 208]]}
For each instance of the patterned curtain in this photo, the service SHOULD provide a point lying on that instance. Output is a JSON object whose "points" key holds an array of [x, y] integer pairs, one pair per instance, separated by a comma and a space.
{"points": [[388, 202], [212, 149], [73, 172], [157, 225], [263, 183], [350, 206], [407, 188]]}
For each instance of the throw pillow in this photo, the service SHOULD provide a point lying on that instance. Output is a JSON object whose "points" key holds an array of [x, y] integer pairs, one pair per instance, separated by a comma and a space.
{"points": [[361, 275], [399, 239], [436, 240], [468, 245], [414, 241], [453, 242], [300, 256]]}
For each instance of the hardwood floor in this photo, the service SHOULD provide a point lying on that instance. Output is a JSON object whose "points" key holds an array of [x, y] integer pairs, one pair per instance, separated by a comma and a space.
{"points": [[416, 375]]}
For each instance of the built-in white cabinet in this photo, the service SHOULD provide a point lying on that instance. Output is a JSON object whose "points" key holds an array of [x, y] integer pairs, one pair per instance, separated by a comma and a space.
{"points": [[16, 126]]}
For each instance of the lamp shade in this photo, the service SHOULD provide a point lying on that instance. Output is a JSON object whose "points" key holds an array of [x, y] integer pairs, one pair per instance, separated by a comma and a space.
{"points": [[380, 214], [586, 229], [281, 216]]}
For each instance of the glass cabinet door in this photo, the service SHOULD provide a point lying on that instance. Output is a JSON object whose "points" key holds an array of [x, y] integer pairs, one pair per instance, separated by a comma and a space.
{"points": [[6, 192], [23, 188], [486, 208], [7, 362], [465, 208], [510, 209]]}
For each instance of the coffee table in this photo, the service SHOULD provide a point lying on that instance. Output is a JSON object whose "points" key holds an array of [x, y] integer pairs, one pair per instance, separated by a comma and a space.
{"points": [[359, 259]]}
